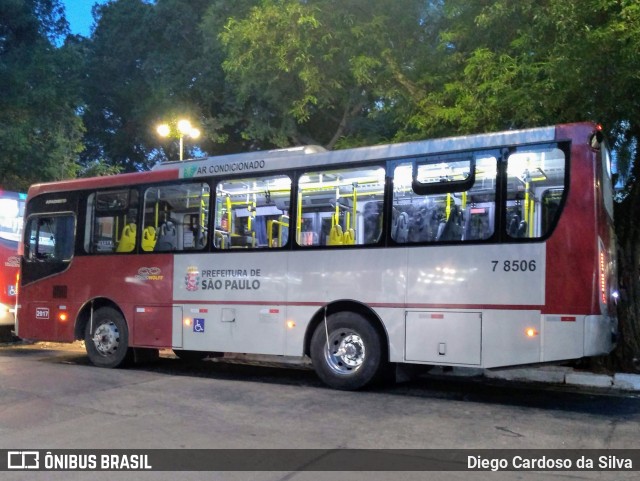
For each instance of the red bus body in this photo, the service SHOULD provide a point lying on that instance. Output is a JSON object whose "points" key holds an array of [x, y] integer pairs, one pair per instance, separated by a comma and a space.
{"points": [[11, 211]]}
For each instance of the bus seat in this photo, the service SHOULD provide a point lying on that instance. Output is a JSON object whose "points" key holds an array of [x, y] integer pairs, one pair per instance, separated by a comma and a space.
{"points": [[401, 228], [372, 216], [167, 238], [441, 228], [522, 229], [514, 223], [127, 242], [420, 230], [221, 239], [349, 237], [450, 229], [336, 237], [200, 238], [149, 239]]}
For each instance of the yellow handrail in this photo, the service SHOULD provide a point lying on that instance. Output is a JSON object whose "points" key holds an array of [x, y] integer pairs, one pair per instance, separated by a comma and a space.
{"points": [[299, 219], [280, 224]]}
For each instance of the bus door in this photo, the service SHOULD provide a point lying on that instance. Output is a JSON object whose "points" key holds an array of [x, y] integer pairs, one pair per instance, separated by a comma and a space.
{"points": [[174, 225], [48, 250]]}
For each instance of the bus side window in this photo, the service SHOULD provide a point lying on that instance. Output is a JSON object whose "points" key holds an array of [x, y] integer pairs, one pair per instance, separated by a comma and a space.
{"points": [[340, 207], [111, 222], [535, 189], [175, 217], [252, 213], [444, 216]]}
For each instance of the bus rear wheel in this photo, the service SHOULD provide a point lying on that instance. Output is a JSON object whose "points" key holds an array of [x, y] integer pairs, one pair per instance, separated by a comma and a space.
{"points": [[107, 338], [347, 352]]}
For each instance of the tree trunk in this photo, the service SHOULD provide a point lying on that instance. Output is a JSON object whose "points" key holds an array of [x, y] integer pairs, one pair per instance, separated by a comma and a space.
{"points": [[627, 354], [627, 217]]}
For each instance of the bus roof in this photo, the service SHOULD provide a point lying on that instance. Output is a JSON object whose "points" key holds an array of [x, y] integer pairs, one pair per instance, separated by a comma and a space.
{"points": [[275, 160], [306, 156], [102, 182], [260, 154]]}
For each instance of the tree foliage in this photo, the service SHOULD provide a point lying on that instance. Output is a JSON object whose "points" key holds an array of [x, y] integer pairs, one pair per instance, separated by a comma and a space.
{"points": [[326, 71], [40, 131]]}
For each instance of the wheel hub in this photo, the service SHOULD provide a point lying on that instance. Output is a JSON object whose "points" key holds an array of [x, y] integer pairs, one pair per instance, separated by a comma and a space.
{"points": [[346, 351], [106, 338]]}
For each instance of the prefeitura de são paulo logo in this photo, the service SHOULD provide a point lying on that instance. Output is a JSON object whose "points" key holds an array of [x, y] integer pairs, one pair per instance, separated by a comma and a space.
{"points": [[192, 278]]}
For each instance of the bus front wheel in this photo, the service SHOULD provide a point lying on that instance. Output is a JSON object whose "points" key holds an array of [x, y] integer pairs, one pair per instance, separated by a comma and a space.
{"points": [[107, 338], [347, 351]]}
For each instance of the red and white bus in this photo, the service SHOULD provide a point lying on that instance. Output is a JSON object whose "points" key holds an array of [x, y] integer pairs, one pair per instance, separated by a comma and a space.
{"points": [[479, 251], [11, 212]]}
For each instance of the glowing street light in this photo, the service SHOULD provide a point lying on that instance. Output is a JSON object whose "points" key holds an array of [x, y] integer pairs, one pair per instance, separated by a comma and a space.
{"points": [[184, 128], [164, 130]]}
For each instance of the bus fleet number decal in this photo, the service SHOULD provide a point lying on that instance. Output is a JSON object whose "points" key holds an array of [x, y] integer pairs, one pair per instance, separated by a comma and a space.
{"points": [[521, 265]]}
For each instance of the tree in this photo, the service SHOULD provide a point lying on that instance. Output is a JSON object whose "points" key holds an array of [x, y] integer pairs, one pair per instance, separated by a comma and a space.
{"points": [[40, 130], [313, 72], [149, 63], [117, 92], [323, 71]]}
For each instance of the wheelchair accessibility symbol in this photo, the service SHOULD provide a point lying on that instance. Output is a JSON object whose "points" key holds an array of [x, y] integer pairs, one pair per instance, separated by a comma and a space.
{"points": [[198, 324]]}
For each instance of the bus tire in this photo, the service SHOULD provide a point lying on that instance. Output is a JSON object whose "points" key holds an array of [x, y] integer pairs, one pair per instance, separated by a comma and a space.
{"points": [[107, 343], [354, 358]]}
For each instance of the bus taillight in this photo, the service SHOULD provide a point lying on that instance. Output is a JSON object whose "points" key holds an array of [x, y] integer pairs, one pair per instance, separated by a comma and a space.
{"points": [[603, 278]]}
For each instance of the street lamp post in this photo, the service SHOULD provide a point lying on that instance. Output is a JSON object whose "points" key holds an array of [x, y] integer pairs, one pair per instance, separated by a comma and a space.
{"points": [[184, 128]]}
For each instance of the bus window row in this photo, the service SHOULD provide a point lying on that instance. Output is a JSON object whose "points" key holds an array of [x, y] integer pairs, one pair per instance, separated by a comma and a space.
{"points": [[433, 201], [174, 218]]}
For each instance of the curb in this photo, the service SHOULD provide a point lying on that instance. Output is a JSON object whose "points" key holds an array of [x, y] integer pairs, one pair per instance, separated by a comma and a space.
{"points": [[568, 376]]}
